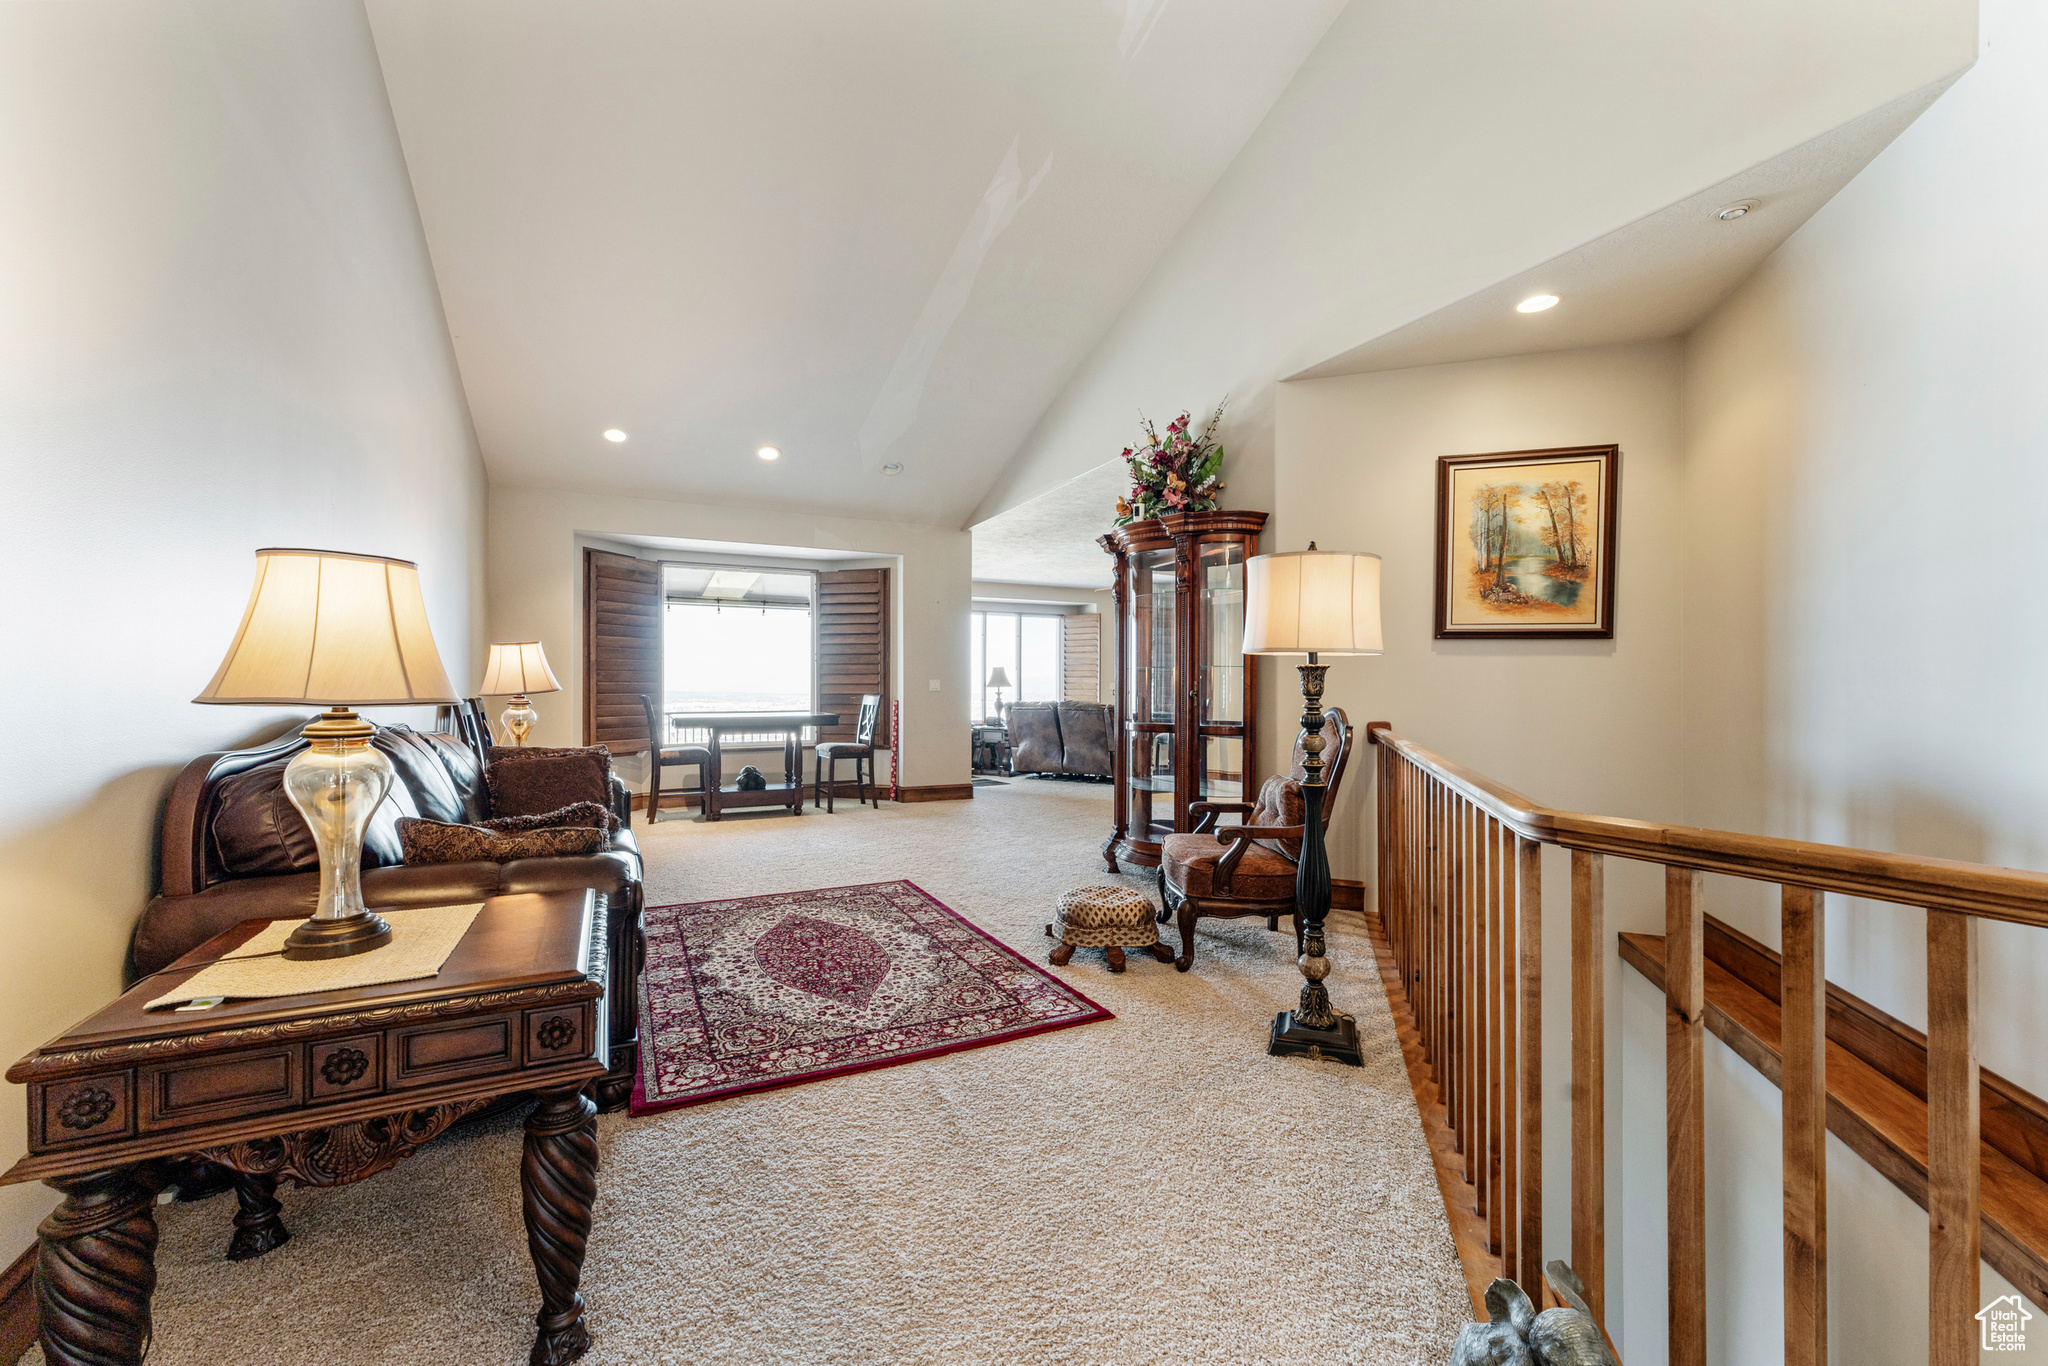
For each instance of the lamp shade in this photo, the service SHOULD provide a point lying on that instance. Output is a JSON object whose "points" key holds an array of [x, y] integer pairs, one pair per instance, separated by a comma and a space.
{"points": [[518, 668], [1312, 601], [997, 678], [337, 629]]}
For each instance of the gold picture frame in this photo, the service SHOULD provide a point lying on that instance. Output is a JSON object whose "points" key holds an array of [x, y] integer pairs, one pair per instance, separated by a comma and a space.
{"points": [[1525, 544]]}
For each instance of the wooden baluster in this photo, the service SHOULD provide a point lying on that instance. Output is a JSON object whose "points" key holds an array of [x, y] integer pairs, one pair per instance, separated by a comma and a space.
{"points": [[1589, 1077], [1458, 1052], [1469, 992], [1436, 938], [1685, 1179], [1495, 1060], [1529, 919], [1803, 995], [1953, 1151], [1383, 813], [1441, 941], [1511, 1094], [1449, 1095]]}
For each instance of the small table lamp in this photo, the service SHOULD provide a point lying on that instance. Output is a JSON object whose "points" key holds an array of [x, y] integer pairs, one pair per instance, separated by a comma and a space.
{"points": [[998, 680], [1313, 602], [348, 631], [518, 669]]}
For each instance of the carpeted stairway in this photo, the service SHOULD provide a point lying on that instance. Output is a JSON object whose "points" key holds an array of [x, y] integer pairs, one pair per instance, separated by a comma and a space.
{"points": [[1148, 1189]]}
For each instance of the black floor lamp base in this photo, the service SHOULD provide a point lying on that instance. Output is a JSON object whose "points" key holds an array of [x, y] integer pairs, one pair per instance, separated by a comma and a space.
{"points": [[1339, 1042]]}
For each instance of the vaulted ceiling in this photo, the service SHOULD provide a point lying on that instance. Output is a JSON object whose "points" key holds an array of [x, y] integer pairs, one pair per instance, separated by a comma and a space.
{"points": [[867, 234]]}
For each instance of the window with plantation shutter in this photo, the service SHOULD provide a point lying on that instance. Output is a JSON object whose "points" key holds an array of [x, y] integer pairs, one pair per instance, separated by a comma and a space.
{"points": [[853, 648], [1081, 658], [621, 648]]}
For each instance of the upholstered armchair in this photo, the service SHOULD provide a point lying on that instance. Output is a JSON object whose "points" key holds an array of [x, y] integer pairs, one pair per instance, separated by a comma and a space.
{"points": [[1240, 870]]}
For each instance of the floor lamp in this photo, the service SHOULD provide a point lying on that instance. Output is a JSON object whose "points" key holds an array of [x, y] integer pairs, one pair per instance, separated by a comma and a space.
{"points": [[1314, 603]]}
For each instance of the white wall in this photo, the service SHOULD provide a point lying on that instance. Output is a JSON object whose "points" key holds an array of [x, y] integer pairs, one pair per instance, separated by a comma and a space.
{"points": [[535, 575], [1425, 151], [218, 331], [1866, 450], [1356, 470]]}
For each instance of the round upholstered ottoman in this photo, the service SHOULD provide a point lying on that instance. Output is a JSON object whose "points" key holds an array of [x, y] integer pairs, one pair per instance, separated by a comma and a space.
{"points": [[1112, 918]]}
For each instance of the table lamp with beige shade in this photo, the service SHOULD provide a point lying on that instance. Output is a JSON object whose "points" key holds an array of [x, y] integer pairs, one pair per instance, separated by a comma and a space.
{"points": [[999, 679], [343, 631], [514, 671], [1313, 602]]}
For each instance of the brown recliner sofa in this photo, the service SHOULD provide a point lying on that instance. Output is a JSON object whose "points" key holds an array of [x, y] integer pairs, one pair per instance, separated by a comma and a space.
{"points": [[1070, 739], [234, 849]]}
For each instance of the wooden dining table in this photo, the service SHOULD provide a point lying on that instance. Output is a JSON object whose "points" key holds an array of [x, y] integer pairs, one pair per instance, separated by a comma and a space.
{"points": [[718, 795]]}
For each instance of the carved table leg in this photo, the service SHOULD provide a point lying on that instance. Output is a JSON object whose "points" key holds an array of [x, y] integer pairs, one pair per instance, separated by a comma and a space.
{"points": [[96, 1268], [257, 1228], [558, 1180]]}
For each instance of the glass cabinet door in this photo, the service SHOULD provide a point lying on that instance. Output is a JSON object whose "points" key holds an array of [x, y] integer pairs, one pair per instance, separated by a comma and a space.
{"points": [[1219, 571], [1154, 660], [1152, 649]]}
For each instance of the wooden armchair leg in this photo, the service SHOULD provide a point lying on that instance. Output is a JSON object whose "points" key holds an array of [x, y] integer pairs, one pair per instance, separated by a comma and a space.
{"points": [[1187, 919]]}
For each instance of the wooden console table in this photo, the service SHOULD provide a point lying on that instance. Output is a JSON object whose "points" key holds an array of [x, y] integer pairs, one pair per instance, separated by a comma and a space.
{"points": [[789, 725], [320, 1089]]}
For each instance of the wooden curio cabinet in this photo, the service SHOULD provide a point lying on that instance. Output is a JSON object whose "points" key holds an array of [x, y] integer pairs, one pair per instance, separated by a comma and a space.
{"points": [[1185, 692]]}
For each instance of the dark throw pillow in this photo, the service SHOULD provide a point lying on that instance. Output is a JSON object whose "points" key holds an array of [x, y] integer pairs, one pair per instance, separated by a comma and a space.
{"points": [[534, 782], [435, 842], [576, 813]]}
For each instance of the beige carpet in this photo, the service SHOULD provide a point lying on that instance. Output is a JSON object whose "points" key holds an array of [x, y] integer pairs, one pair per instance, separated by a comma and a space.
{"points": [[1152, 1188]]}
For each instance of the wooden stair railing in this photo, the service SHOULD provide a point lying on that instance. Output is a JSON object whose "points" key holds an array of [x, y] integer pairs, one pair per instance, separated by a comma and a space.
{"points": [[1460, 913]]}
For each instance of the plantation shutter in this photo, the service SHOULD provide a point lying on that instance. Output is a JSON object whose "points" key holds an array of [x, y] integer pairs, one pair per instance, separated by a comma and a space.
{"points": [[852, 625], [1080, 678], [621, 649]]}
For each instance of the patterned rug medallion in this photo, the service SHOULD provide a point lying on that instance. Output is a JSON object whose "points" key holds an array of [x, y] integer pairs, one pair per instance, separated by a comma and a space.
{"points": [[769, 991]]}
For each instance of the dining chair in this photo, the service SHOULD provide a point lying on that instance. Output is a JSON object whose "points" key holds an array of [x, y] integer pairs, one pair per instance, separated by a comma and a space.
{"points": [[860, 749], [662, 758]]}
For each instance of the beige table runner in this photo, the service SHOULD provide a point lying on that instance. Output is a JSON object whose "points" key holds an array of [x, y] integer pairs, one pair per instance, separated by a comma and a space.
{"points": [[421, 940]]}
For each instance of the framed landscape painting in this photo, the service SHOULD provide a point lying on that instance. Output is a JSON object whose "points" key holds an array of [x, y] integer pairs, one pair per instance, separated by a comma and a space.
{"points": [[1525, 543]]}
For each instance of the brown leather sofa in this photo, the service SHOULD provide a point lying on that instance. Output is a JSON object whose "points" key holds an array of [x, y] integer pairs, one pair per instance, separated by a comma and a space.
{"points": [[235, 850]]}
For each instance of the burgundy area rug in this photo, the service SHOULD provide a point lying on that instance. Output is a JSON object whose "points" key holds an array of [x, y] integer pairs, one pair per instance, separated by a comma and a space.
{"points": [[768, 991]]}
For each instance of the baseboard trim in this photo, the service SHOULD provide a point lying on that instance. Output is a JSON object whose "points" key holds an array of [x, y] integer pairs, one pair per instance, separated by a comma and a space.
{"points": [[941, 792], [18, 1307], [1347, 894]]}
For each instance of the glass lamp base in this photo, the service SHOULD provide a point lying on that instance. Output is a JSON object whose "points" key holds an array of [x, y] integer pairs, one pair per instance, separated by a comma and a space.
{"points": [[517, 719], [336, 783], [338, 937]]}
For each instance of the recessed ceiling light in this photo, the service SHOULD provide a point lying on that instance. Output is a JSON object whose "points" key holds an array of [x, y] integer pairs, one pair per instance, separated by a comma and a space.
{"points": [[1536, 303], [1741, 208], [614, 434], [892, 468], [769, 453]]}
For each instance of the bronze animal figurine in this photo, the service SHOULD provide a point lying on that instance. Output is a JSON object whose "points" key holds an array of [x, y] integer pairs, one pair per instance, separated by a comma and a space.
{"points": [[751, 779], [1516, 1335]]}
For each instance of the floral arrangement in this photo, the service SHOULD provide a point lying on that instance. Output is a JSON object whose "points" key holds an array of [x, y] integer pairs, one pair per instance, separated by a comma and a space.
{"points": [[1173, 471]]}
